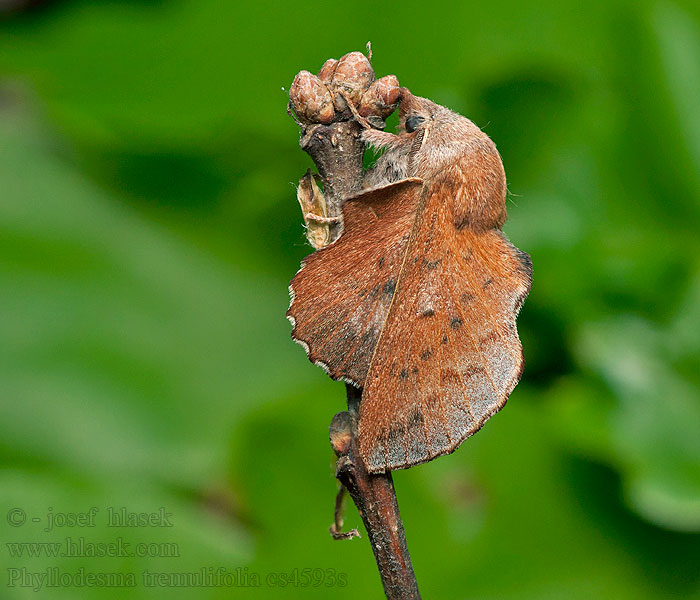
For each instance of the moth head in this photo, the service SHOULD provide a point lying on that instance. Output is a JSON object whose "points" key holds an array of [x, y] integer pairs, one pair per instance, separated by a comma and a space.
{"points": [[416, 113]]}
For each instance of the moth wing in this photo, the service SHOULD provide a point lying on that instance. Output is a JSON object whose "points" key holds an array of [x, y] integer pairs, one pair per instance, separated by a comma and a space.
{"points": [[449, 354], [342, 293]]}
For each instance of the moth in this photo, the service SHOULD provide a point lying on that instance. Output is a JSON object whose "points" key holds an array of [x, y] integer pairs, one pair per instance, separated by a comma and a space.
{"points": [[416, 302]]}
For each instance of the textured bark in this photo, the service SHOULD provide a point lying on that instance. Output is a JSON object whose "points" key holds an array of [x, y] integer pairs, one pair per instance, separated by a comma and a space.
{"points": [[337, 152], [375, 498]]}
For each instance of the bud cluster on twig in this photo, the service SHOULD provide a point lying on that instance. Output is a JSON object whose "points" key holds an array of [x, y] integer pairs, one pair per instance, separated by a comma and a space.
{"points": [[342, 89]]}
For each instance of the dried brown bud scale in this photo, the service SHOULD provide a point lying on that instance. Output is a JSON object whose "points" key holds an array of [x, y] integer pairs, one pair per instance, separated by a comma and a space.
{"points": [[328, 70], [353, 75], [314, 210], [381, 98], [311, 100]]}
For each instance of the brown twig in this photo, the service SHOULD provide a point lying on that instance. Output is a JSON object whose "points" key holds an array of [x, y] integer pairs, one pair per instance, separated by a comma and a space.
{"points": [[375, 498], [337, 151]]}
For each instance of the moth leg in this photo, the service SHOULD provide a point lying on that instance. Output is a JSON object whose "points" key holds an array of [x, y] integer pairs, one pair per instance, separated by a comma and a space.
{"points": [[380, 139], [336, 528]]}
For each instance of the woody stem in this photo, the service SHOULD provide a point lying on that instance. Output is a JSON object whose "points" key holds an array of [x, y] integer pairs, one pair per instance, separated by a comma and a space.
{"points": [[375, 498], [337, 151]]}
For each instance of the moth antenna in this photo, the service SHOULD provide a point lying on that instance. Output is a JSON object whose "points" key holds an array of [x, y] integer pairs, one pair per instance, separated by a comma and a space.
{"points": [[380, 139]]}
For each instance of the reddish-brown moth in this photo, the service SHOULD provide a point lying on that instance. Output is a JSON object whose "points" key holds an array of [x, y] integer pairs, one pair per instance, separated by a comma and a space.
{"points": [[416, 301]]}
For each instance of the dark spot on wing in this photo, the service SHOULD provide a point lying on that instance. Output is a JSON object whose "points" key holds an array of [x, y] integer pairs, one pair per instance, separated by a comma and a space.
{"points": [[489, 337], [450, 377], [389, 288], [469, 371], [468, 255], [368, 340], [456, 323], [414, 370], [404, 374], [368, 335], [375, 292], [396, 432], [428, 312], [381, 262], [467, 297], [487, 283], [444, 339], [416, 417], [425, 355], [431, 264]]}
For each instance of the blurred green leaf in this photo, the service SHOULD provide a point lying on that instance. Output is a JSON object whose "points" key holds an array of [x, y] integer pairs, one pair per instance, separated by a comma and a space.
{"points": [[654, 430], [679, 46], [118, 336]]}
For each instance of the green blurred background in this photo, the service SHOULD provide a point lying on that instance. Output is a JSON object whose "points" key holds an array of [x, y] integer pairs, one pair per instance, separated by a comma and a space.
{"points": [[149, 227]]}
